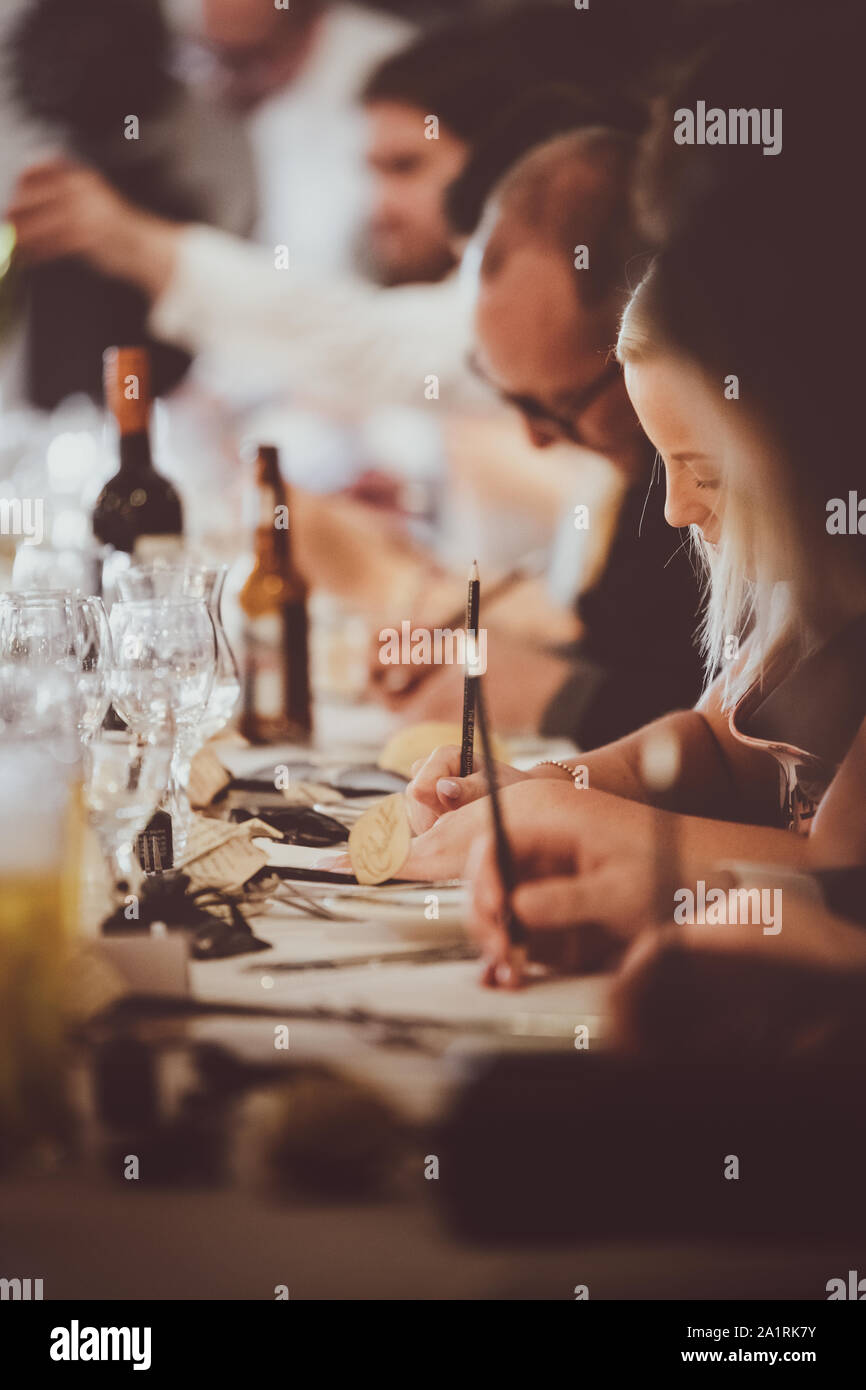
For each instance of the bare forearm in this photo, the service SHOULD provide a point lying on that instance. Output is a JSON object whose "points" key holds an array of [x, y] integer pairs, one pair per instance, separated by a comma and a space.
{"points": [[703, 783], [701, 842]]}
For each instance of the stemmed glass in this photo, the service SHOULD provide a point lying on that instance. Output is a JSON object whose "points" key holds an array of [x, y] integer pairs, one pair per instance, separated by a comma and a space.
{"points": [[126, 775], [55, 649], [55, 675], [189, 580], [164, 667], [52, 568], [94, 661]]}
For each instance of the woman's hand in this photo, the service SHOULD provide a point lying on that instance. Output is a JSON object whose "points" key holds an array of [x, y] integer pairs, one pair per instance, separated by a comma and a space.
{"points": [[594, 818], [437, 787], [585, 884], [442, 850]]}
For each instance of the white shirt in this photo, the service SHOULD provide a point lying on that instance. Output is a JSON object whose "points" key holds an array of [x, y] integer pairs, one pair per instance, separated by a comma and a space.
{"points": [[340, 343], [307, 140]]}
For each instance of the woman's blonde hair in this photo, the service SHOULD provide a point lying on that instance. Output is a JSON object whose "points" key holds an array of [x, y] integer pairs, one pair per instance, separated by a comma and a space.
{"points": [[775, 575]]}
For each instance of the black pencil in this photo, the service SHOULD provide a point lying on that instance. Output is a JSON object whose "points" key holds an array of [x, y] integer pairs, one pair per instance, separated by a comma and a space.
{"points": [[399, 680], [514, 927], [467, 746], [531, 566]]}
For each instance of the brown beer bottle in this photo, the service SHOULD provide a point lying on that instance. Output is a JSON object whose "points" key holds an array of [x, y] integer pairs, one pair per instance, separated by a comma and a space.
{"points": [[138, 510], [276, 681]]}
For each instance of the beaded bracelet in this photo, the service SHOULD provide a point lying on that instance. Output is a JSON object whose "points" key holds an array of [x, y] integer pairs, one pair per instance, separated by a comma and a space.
{"points": [[552, 762]]}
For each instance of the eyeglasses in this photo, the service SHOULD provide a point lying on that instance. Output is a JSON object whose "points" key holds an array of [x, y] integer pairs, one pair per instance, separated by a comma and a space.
{"points": [[538, 413]]}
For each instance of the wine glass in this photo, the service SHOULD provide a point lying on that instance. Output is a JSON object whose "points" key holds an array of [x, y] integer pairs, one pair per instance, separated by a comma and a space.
{"points": [[125, 777], [56, 647], [48, 567], [39, 626], [94, 662], [37, 642], [189, 580], [164, 667]]}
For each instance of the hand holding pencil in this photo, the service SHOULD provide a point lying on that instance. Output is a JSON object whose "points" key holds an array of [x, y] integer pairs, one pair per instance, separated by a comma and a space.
{"points": [[510, 971]]}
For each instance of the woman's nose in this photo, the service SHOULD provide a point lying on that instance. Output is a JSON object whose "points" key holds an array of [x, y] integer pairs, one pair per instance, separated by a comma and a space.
{"points": [[684, 505]]}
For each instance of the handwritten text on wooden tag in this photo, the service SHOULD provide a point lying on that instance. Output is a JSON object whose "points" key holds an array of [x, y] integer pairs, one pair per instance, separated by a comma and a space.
{"points": [[379, 841]]}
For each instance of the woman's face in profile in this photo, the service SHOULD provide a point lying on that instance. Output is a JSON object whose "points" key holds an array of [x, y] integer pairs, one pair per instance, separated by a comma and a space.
{"points": [[686, 421]]}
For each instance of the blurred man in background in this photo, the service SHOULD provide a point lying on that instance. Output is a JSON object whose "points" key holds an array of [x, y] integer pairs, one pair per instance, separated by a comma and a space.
{"points": [[323, 337], [293, 75]]}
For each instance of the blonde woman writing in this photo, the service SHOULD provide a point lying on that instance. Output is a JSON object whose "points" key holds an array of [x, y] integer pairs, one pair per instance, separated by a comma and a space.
{"points": [[742, 366]]}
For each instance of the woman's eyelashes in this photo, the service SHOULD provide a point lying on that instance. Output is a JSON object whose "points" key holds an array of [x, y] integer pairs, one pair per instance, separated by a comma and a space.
{"points": [[704, 478], [698, 466]]}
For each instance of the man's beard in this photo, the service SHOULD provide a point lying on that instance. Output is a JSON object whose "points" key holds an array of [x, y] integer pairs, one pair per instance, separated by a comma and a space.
{"points": [[424, 269]]}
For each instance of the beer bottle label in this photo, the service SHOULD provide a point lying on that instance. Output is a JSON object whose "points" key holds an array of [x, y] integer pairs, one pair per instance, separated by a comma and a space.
{"points": [[266, 665], [153, 547]]}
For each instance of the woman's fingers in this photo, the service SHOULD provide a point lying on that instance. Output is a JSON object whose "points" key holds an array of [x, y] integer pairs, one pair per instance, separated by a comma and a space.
{"points": [[575, 949], [430, 858], [442, 851], [539, 848], [437, 787], [457, 791], [572, 950], [488, 974], [542, 819], [548, 908], [556, 902], [575, 922], [422, 802], [454, 791]]}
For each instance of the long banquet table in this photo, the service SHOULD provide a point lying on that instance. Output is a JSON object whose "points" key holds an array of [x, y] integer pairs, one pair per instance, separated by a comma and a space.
{"points": [[405, 1032]]}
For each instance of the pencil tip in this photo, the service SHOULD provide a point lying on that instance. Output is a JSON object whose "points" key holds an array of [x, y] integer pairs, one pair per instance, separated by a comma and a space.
{"points": [[473, 573]]}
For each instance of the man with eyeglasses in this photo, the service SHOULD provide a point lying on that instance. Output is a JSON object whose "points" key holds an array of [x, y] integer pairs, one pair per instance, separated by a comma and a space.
{"points": [[558, 252]]}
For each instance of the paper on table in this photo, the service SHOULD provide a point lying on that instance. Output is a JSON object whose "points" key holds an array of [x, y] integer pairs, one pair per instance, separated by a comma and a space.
{"points": [[420, 905], [307, 793], [443, 993], [281, 856], [207, 777], [223, 855]]}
